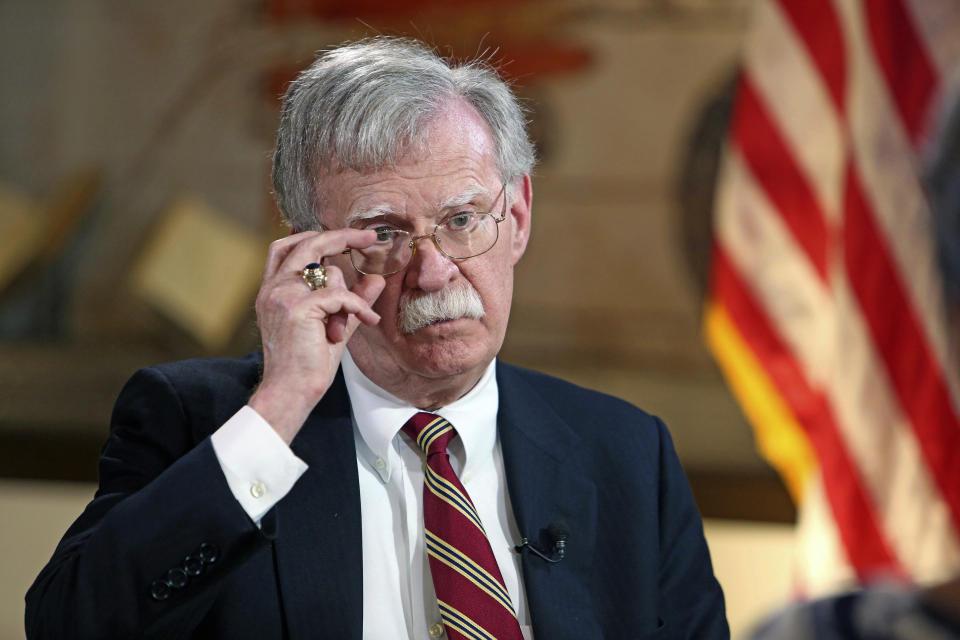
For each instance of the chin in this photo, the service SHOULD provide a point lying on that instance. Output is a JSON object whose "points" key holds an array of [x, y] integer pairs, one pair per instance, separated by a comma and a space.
{"points": [[442, 357], [441, 350]]}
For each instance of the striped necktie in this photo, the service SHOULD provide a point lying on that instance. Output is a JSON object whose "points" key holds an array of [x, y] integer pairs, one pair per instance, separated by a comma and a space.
{"points": [[473, 600]]}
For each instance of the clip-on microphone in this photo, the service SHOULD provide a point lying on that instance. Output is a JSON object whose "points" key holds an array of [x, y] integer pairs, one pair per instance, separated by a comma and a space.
{"points": [[557, 533]]}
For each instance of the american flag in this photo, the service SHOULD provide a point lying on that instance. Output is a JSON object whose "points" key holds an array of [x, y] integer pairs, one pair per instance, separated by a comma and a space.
{"points": [[827, 308]]}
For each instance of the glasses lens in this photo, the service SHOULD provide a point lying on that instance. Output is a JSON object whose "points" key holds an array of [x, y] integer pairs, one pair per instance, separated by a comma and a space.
{"points": [[389, 254], [467, 234]]}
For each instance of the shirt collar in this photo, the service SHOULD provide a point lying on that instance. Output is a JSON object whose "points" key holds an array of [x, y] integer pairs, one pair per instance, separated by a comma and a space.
{"points": [[379, 416]]}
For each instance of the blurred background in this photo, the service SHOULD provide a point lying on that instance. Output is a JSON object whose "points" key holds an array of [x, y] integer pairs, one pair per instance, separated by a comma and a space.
{"points": [[135, 210]]}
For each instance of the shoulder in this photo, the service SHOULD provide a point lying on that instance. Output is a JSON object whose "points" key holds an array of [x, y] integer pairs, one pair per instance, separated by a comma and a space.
{"points": [[209, 388], [565, 393], [220, 373], [587, 411]]}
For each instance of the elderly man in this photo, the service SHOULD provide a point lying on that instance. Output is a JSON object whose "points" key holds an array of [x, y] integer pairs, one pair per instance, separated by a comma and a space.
{"points": [[377, 473]]}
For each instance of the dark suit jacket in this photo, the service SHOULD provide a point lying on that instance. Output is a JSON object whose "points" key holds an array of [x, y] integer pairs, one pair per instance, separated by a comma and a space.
{"points": [[636, 564]]}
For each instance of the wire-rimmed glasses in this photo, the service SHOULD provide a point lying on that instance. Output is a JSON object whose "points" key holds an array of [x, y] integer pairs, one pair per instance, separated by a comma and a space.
{"points": [[460, 235]]}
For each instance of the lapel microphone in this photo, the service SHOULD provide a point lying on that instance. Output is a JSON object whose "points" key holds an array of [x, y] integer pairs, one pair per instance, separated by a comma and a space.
{"points": [[557, 533]]}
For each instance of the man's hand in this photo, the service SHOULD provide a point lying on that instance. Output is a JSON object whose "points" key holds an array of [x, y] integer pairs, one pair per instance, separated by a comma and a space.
{"points": [[304, 332]]}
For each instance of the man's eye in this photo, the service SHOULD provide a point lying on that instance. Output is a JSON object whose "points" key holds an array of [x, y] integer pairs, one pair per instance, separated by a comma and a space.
{"points": [[384, 233], [461, 221]]}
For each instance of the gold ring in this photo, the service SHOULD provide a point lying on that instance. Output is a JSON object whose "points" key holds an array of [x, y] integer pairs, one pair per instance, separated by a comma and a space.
{"points": [[315, 275]]}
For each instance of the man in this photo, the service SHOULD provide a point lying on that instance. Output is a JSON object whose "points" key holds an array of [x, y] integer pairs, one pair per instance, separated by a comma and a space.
{"points": [[289, 496]]}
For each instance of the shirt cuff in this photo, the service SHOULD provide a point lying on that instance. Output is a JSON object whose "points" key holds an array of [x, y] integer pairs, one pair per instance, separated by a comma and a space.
{"points": [[259, 466]]}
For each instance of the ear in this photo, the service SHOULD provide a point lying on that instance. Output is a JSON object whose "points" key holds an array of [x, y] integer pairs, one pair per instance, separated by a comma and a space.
{"points": [[521, 206]]}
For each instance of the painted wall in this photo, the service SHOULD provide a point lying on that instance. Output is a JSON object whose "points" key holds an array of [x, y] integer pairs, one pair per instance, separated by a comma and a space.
{"points": [[180, 98]]}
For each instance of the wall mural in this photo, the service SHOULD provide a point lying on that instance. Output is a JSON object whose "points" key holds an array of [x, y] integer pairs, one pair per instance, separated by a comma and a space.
{"points": [[148, 127]]}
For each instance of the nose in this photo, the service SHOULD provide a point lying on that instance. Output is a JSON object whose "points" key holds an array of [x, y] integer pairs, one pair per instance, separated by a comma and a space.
{"points": [[429, 269]]}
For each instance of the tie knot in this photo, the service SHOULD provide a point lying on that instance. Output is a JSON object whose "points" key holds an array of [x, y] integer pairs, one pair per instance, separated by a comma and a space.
{"points": [[431, 432]]}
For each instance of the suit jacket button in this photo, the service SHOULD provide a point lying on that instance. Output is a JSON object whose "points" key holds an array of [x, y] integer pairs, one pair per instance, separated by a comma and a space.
{"points": [[177, 578], [159, 590], [193, 565], [209, 553]]}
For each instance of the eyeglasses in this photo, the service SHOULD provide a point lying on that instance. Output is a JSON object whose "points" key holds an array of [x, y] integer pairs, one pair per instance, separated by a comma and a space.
{"points": [[461, 235]]}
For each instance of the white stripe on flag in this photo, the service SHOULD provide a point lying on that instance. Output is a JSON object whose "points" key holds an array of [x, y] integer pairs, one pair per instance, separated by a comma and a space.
{"points": [[886, 162], [773, 52]]}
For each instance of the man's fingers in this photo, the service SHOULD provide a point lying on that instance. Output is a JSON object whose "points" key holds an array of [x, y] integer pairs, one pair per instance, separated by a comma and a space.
{"points": [[280, 248], [337, 328], [314, 247], [341, 302], [334, 278], [341, 309], [341, 326], [291, 300]]}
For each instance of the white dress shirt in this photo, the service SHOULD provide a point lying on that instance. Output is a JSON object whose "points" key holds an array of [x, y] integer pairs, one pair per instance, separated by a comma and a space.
{"points": [[398, 595]]}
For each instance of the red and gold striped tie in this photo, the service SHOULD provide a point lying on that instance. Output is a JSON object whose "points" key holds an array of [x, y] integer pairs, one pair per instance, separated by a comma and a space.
{"points": [[474, 602]]}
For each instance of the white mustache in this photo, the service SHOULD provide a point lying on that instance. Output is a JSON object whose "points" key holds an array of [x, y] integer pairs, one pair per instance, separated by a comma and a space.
{"points": [[419, 311]]}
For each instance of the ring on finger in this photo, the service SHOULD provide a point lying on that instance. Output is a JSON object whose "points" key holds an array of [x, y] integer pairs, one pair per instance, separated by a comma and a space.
{"points": [[315, 275]]}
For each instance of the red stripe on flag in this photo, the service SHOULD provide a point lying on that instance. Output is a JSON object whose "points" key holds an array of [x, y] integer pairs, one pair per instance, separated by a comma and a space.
{"points": [[910, 76], [899, 338], [817, 24], [850, 502], [773, 166]]}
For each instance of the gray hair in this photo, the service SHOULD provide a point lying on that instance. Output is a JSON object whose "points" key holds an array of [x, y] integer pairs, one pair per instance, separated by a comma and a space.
{"points": [[364, 105]]}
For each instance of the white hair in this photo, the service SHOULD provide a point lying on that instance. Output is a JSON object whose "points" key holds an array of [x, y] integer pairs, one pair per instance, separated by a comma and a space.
{"points": [[450, 303], [364, 105]]}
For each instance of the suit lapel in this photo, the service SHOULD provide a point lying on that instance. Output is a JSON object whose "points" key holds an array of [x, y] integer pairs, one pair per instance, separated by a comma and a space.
{"points": [[318, 546], [548, 485]]}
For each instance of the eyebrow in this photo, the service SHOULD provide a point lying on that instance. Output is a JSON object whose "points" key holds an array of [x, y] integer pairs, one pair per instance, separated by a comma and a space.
{"points": [[468, 196], [379, 211]]}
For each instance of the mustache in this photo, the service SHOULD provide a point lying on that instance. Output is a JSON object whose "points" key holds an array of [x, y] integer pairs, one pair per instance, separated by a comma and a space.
{"points": [[421, 310]]}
